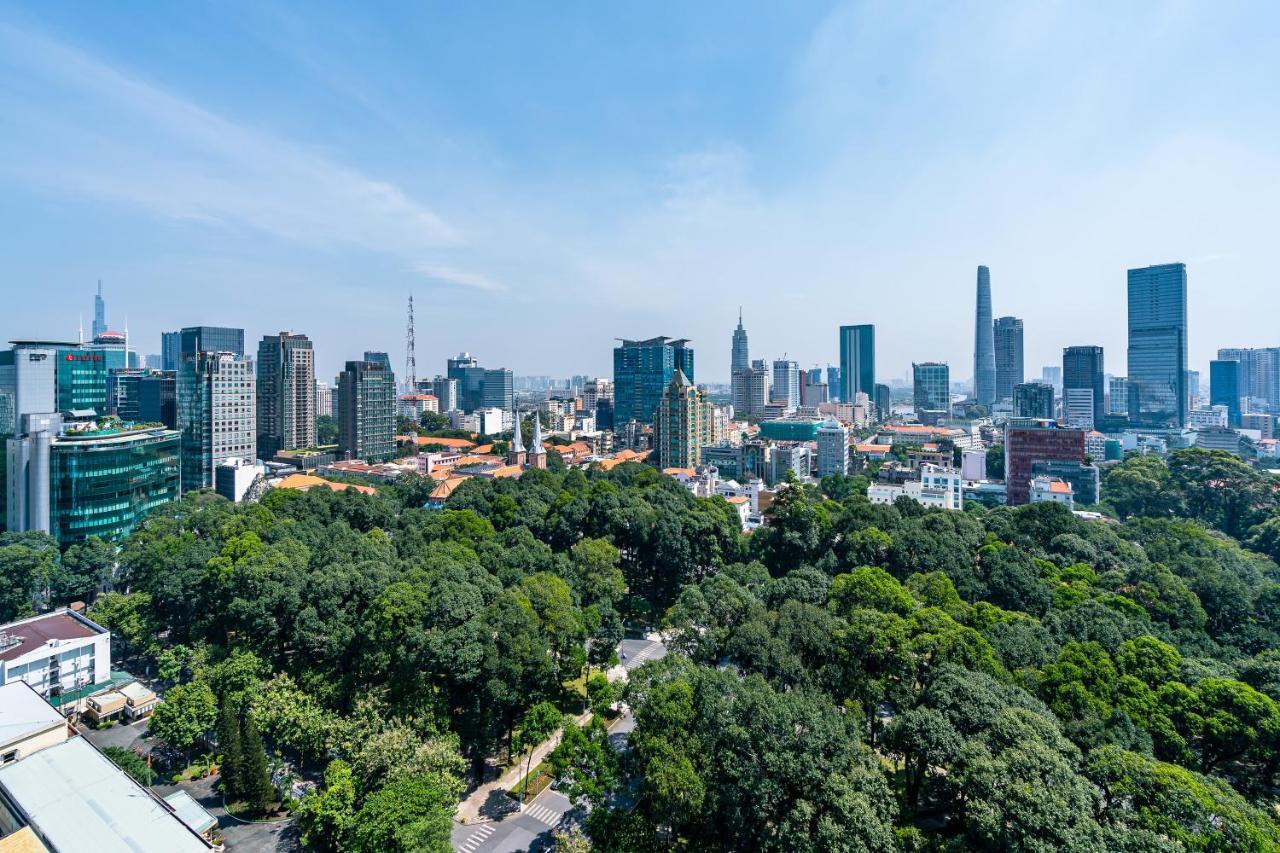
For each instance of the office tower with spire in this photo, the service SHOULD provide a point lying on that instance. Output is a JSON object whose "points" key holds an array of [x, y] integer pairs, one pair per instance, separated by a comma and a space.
{"points": [[682, 424], [99, 313], [984, 349], [739, 368], [1158, 346], [1008, 345], [286, 393], [857, 361]]}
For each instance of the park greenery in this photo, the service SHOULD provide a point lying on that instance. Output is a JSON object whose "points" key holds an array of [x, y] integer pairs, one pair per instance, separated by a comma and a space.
{"points": [[848, 677]]}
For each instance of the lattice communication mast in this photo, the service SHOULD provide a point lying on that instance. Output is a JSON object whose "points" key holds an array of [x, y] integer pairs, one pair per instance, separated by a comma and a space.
{"points": [[410, 358]]}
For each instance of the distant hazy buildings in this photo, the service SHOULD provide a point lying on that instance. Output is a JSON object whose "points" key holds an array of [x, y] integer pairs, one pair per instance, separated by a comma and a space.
{"points": [[642, 370], [479, 387], [1259, 375], [1158, 346], [367, 411], [1083, 385], [1118, 398], [286, 394], [1008, 336], [857, 360], [984, 354]]}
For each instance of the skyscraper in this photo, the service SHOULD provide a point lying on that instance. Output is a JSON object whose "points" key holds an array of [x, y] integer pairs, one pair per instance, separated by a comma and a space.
{"points": [[984, 351], [1008, 344], [215, 414], [1259, 375], [682, 424], [175, 346], [1025, 445], [642, 370], [1226, 379], [932, 387], [857, 361], [367, 411], [833, 382], [1158, 346], [286, 393], [739, 365], [99, 313], [1033, 400], [833, 449], [786, 383], [1083, 386]]}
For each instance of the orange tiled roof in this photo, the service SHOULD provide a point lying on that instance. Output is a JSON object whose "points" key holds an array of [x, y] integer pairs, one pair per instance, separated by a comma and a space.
{"points": [[445, 488], [688, 472], [459, 443], [306, 482]]}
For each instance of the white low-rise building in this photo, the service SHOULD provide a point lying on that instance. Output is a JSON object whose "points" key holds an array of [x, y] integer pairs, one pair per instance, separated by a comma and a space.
{"points": [[938, 488], [1052, 490], [55, 653]]}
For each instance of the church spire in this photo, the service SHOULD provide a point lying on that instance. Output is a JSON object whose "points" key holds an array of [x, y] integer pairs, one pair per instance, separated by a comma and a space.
{"points": [[516, 455], [537, 453]]}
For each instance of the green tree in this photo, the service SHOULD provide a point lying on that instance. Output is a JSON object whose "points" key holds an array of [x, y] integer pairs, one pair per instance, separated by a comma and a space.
{"points": [[86, 568], [326, 430], [409, 815], [255, 778], [292, 718], [129, 616], [1141, 486], [540, 723], [185, 716], [130, 762], [27, 561], [585, 762], [228, 733], [326, 816]]}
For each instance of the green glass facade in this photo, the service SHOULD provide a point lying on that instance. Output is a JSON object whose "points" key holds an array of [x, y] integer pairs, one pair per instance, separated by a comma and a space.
{"points": [[103, 484], [82, 377]]}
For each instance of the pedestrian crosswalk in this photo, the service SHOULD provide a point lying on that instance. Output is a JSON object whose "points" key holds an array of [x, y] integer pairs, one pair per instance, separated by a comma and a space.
{"points": [[542, 814], [645, 654], [477, 838]]}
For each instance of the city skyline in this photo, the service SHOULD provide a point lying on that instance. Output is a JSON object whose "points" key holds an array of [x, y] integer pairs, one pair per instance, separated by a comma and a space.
{"points": [[204, 203]]}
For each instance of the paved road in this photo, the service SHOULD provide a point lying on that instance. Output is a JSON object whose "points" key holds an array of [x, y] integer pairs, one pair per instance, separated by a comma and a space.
{"points": [[530, 829], [639, 651]]}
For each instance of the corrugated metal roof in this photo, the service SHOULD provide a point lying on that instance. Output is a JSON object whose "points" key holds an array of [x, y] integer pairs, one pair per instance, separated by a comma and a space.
{"points": [[82, 803]]}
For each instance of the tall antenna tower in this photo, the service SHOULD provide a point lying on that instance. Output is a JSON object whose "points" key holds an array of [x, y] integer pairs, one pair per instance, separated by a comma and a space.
{"points": [[410, 358]]}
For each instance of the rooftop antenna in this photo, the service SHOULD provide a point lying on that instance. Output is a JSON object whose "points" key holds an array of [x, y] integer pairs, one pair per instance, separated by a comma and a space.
{"points": [[81, 332], [126, 341]]}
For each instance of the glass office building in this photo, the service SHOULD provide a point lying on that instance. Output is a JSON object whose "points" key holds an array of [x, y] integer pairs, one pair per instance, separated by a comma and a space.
{"points": [[932, 387], [1158, 346], [1226, 387], [104, 483], [367, 411], [857, 361], [1084, 387], [642, 370], [1008, 345]]}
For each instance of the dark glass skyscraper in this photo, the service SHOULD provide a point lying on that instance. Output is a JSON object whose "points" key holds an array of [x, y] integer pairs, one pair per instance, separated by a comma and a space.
{"points": [[1226, 381], [194, 339], [1083, 385], [984, 350], [641, 372], [857, 361], [1158, 346], [367, 411], [1033, 400], [1008, 343]]}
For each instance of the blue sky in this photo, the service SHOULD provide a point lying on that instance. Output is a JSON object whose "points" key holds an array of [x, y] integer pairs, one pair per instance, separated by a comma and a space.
{"points": [[544, 178]]}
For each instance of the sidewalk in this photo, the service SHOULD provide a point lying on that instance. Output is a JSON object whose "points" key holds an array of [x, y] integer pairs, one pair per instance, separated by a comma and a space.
{"points": [[494, 793]]}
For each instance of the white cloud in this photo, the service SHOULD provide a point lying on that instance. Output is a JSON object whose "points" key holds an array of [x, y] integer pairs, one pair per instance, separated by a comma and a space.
{"points": [[453, 275]]}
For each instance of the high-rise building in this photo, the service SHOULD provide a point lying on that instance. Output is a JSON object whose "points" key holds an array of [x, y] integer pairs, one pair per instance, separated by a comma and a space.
{"points": [[1008, 345], [984, 353], [833, 382], [1226, 379], [857, 360], [324, 399], [122, 393], [367, 411], [158, 398], [170, 350], [739, 365], [29, 376], [786, 383], [884, 402], [88, 479], [1118, 399], [594, 390], [216, 399], [682, 424], [642, 370], [497, 389], [813, 390], [82, 371], [1033, 400], [756, 387], [931, 387], [445, 390], [1051, 374], [1158, 346], [1026, 444], [194, 339], [1193, 389], [1259, 375], [1083, 385], [286, 398], [99, 313], [833, 449]]}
